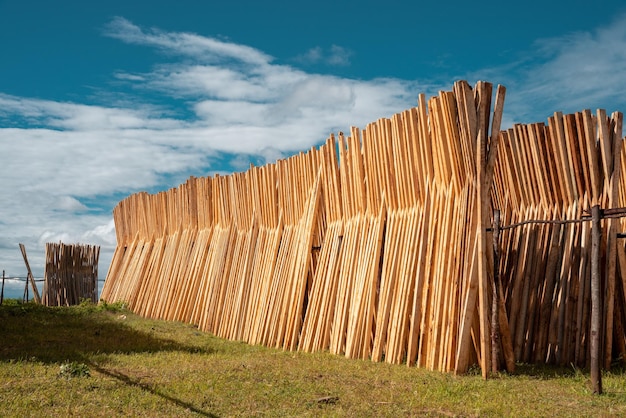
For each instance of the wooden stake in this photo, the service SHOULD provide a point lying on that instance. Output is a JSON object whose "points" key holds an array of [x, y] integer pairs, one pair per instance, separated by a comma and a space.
{"points": [[596, 302], [495, 308], [30, 278]]}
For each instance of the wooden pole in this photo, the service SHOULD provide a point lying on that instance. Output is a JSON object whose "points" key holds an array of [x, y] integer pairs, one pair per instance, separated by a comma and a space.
{"points": [[596, 302], [25, 295], [495, 305], [30, 278]]}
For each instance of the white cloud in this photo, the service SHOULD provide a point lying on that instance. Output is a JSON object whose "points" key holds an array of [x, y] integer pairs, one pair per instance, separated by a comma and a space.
{"points": [[211, 80], [336, 56], [68, 204], [312, 56], [128, 76], [208, 50], [339, 56], [80, 117], [233, 112], [103, 233]]}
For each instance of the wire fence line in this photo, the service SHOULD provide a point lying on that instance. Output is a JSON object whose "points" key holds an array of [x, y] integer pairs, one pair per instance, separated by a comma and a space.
{"points": [[25, 278], [26, 295], [604, 214]]}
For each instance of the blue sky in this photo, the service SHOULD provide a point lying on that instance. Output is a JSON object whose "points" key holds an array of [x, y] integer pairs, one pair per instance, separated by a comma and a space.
{"points": [[99, 100]]}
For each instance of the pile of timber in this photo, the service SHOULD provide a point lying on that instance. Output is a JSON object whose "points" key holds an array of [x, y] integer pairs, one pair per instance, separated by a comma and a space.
{"points": [[376, 245], [71, 274], [557, 172]]}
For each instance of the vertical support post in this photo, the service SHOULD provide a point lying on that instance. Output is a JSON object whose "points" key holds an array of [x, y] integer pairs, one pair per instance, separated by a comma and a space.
{"points": [[495, 285], [2, 291], [596, 302], [25, 295]]}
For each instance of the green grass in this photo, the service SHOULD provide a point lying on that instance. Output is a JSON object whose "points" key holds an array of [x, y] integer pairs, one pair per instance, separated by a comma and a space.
{"points": [[104, 361]]}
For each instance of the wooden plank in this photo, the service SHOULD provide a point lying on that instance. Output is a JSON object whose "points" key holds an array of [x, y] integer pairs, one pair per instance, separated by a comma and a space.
{"points": [[468, 124], [535, 286], [621, 256], [582, 149], [469, 303], [30, 277], [388, 279], [495, 134], [557, 134], [424, 328], [613, 141], [605, 144], [505, 334], [420, 283], [571, 261], [586, 301], [573, 151]]}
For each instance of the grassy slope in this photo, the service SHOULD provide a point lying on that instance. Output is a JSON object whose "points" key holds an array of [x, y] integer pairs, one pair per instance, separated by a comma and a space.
{"points": [[140, 367]]}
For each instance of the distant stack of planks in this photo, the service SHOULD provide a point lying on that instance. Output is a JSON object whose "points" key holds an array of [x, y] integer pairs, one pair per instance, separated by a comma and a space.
{"points": [[376, 245], [71, 274]]}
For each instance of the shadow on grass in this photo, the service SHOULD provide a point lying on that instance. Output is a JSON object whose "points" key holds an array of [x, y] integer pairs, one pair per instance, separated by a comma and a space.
{"points": [[30, 332], [547, 371], [56, 334], [147, 388], [542, 371]]}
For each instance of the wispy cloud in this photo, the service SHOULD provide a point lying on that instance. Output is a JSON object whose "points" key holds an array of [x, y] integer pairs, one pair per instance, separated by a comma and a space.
{"points": [[81, 117], [339, 55], [209, 50], [335, 56], [567, 73]]}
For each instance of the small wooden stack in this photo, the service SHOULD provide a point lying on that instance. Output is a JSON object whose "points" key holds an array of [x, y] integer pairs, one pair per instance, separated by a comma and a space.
{"points": [[71, 274]]}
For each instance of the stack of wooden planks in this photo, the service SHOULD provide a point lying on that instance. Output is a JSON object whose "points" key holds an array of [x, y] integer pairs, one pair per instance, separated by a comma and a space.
{"points": [[71, 274], [556, 172], [376, 244]]}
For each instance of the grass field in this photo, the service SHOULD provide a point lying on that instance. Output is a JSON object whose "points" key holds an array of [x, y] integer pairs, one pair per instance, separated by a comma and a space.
{"points": [[104, 361]]}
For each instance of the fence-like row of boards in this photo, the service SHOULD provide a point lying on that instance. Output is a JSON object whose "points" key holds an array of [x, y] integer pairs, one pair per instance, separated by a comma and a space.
{"points": [[71, 274], [554, 172], [373, 245]]}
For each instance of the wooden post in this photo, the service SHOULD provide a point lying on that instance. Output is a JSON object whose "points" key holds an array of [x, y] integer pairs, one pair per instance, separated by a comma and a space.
{"points": [[596, 302], [30, 278], [495, 305], [25, 296]]}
